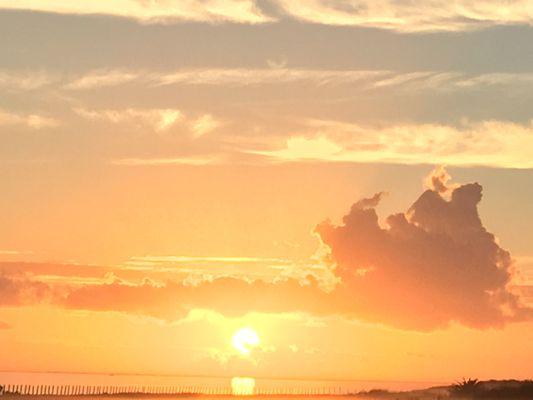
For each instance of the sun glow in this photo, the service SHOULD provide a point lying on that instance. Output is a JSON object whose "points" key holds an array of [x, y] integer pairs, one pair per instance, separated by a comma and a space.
{"points": [[245, 339]]}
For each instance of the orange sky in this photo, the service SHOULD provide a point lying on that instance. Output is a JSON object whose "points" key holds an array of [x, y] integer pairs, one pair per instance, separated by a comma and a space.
{"points": [[110, 312], [174, 172]]}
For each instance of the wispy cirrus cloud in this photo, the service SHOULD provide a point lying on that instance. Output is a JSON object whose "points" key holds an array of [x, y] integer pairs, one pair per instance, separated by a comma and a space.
{"points": [[239, 11], [102, 78], [26, 80], [439, 15], [406, 16], [204, 124], [239, 77], [13, 252], [113, 77], [489, 143], [494, 79], [247, 76], [162, 161], [158, 119], [32, 121], [369, 79]]}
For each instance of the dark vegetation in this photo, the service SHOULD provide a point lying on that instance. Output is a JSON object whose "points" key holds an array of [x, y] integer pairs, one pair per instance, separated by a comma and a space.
{"points": [[510, 389], [465, 389]]}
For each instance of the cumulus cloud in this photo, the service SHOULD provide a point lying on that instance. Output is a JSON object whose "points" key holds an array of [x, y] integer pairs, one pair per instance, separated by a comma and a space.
{"points": [[434, 264], [439, 181]]}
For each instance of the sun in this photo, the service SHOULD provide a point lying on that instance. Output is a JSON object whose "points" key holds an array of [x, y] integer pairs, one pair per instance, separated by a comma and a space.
{"points": [[245, 339]]}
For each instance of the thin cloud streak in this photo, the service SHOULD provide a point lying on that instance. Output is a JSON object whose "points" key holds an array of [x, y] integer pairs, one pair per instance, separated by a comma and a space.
{"points": [[238, 11], [26, 81], [412, 17], [31, 121], [498, 144], [239, 77], [102, 78], [246, 76], [184, 160], [439, 15], [486, 143], [158, 119], [203, 125], [161, 269]]}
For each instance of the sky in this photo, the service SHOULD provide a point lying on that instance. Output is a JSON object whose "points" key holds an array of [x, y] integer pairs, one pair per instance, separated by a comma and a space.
{"points": [[349, 180]]}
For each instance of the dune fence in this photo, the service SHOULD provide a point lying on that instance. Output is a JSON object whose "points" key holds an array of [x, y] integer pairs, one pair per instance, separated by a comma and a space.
{"points": [[136, 390]]}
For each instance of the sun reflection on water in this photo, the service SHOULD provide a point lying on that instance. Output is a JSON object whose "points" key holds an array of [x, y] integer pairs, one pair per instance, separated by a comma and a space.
{"points": [[242, 386]]}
